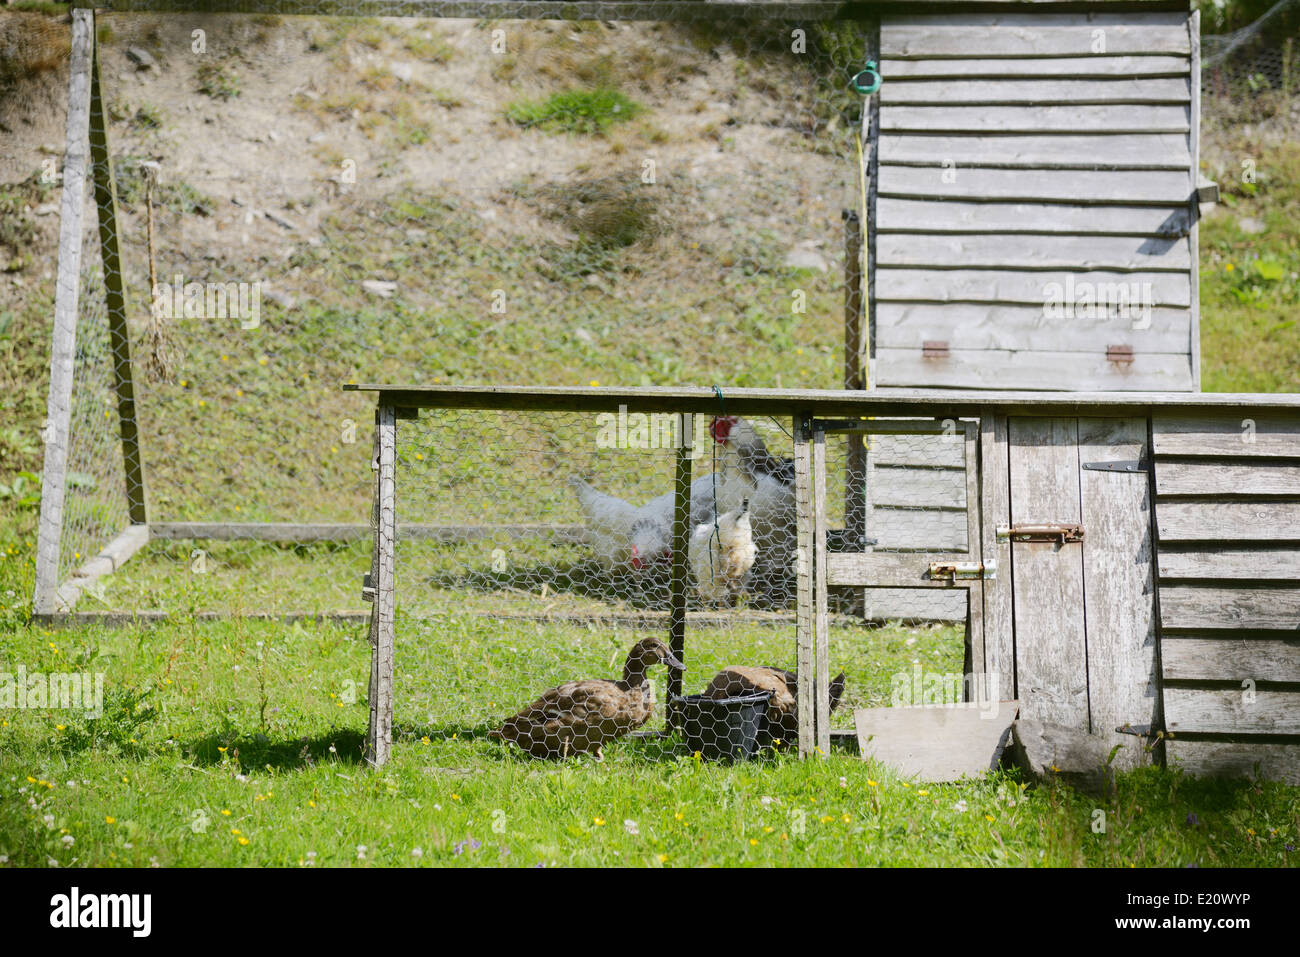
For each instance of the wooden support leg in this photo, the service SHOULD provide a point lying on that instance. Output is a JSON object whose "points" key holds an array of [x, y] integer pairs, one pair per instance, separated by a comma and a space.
{"points": [[821, 626], [804, 603], [379, 740], [681, 560], [115, 299], [63, 346]]}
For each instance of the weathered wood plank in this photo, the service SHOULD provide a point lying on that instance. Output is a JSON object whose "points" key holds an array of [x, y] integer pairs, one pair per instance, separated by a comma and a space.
{"points": [[1232, 711], [1119, 595], [905, 450], [824, 403], [1249, 432], [995, 510], [976, 251], [917, 529], [900, 215], [973, 656], [63, 346], [821, 632], [990, 368], [1230, 659], [805, 601], [1048, 598], [679, 586], [1236, 759], [1085, 187], [307, 532], [379, 738], [978, 89], [1228, 521], [1193, 206], [1252, 564], [933, 488], [1034, 35], [934, 744], [1035, 119], [1198, 607], [115, 298], [907, 325], [1069, 67], [1223, 478], [1031, 288], [112, 557]]}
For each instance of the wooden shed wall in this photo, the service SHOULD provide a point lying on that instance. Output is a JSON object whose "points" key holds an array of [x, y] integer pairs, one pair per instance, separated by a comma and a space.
{"points": [[1016, 151], [1228, 526]]}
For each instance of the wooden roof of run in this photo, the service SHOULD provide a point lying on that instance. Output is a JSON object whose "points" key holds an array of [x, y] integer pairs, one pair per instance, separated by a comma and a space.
{"points": [[618, 9], [942, 403]]}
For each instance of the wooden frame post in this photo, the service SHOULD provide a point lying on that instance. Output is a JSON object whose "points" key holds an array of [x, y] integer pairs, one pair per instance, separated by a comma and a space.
{"points": [[63, 345], [681, 559], [855, 515], [379, 739], [805, 602], [115, 294], [821, 622], [995, 509]]}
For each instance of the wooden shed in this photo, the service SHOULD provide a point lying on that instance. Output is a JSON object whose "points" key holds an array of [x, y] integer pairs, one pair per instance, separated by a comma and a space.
{"points": [[1033, 199]]}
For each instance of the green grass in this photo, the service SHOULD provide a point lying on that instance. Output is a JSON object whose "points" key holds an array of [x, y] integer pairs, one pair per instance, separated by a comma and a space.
{"points": [[238, 743], [1250, 281], [575, 111]]}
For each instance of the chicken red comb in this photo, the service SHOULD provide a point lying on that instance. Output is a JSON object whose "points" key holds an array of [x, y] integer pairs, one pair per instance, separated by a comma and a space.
{"points": [[721, 426]]}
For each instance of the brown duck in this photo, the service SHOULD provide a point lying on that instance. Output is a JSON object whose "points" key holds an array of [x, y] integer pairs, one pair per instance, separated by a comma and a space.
{"points": [[783, 707], [579, 717]]}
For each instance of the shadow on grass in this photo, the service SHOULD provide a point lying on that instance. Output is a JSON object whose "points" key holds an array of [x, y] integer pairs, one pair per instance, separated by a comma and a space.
{"points": [[257, 751], [651, 748]]}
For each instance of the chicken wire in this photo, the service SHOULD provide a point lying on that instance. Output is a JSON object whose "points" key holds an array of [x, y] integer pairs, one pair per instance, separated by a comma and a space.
{"points": [[615, 203], [95, 501], [534, 550]]}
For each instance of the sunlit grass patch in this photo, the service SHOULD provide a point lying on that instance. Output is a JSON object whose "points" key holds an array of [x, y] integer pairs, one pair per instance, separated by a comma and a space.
{"points": [[576, 111]]}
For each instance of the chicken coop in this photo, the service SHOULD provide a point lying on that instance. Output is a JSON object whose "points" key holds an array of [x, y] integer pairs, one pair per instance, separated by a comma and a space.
{"points": [[263, 202], [1128, 568]]}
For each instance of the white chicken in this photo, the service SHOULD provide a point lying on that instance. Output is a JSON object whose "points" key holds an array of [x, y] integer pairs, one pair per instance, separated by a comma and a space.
{"points": [[624, 535], [722, 556], [768, 483]]}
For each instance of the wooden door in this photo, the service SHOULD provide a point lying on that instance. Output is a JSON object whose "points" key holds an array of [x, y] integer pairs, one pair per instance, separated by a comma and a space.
{"points": [[1083, 625]]}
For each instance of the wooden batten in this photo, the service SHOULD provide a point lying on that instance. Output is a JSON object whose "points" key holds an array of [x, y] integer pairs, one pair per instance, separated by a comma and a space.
{"points": [[1228, 522], [1062, 159]]}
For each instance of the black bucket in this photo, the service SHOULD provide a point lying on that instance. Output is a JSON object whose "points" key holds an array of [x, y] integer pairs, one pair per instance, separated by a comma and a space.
{"points": [[723, 729]]}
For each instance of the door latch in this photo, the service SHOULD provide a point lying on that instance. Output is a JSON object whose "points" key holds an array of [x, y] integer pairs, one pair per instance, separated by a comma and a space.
{"points": [[1058, 532], [963, 571]]}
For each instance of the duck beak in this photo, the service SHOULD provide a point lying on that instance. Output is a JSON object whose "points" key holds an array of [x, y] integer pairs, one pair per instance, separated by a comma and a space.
{"points": [[673, 663]]}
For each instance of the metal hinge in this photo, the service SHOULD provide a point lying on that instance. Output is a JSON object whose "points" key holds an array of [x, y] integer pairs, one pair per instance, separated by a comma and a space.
{"points": [[367, 588], [1121, 353], [1059, 532], [963, 571], [934, 349], [1124, 465]]}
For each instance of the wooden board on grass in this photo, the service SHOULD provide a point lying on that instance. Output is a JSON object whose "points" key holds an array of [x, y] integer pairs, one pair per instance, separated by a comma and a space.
{"points": [[935, 744]]}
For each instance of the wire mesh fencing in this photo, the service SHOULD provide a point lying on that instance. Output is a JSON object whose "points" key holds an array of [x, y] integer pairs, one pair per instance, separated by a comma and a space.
{"points": [[534, 577], [95, 501], [305, 202]]}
